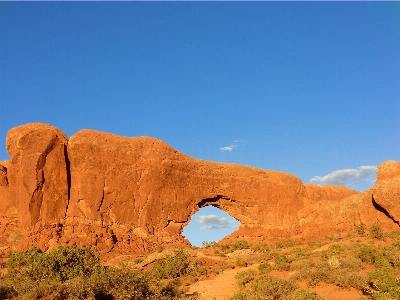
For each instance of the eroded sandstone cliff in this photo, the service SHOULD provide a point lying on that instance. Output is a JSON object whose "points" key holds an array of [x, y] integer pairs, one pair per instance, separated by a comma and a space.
{"points": [[128, 195]]}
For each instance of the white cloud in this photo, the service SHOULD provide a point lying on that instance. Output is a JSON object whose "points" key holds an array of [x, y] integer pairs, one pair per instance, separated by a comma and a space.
{"points": [[345, 176], [216, 222], [228, 148]]}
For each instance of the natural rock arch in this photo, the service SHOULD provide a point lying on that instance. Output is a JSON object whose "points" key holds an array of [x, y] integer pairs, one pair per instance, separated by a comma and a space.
{"points": [[129, 195]]}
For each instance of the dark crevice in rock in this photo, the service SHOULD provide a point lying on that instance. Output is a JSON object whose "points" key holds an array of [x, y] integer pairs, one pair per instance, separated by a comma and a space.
{"points": [[68, 170], [384, 211]]}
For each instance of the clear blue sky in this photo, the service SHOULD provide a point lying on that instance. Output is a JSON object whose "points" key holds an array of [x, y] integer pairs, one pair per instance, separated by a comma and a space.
{"points": [[306, 88]]}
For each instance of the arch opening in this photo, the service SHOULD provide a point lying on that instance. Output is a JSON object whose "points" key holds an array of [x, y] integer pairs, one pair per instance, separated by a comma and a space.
{"points": [[209, 224]]}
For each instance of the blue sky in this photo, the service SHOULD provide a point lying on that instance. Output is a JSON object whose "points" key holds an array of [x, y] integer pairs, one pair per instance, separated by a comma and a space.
{"points": [[301, 87]]}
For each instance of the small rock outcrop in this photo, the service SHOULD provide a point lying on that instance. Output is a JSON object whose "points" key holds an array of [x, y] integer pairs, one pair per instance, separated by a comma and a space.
{"points": [[129, 195]]}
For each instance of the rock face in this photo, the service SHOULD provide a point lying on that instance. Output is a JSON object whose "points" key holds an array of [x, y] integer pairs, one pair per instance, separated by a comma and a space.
{"points": [[37, 173], [386, 191], [129, 195]]}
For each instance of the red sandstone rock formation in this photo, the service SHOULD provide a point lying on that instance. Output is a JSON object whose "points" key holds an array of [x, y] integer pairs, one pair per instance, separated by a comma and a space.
{"points": [[128, 195], [37, 173], [386, 191]]}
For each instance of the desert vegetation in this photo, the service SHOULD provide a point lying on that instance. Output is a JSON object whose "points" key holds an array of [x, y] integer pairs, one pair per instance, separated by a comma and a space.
{"points": [[365, 262]]}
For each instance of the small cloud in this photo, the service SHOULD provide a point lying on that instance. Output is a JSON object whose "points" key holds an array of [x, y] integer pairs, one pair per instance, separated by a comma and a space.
{"points": [[227, 148], [230, 147], [345, 176], [216, 222]]}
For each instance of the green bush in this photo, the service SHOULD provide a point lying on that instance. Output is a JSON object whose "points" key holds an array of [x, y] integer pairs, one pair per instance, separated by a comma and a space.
{"points": [[239, 245], [264, 267], [274, 287], [240, 262], [267, 287], [76, 273], [335, 248], [175, 265], [299, 253], [368, 254], [382, 282], [206, 244], [282, 262], [376, 231], [360, 229], [301, 294], [261, 248], [60, 264], [244, 277], [225, 247]]}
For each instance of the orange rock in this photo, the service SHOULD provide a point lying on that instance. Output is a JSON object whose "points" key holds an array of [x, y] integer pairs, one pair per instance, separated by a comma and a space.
{"points": [[129, 195], [386, 191], [37, 173]]}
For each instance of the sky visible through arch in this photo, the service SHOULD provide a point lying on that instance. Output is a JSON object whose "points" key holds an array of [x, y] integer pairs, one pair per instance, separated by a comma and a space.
{"points": [[308, 88]]}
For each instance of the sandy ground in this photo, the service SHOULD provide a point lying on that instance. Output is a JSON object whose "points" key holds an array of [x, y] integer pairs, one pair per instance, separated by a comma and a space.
{"points": [[220, 287], [224, 285]]}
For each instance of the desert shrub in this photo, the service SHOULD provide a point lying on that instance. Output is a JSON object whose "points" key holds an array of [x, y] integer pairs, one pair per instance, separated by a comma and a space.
{"points": [[346, 278], [299, 253], [382, 282], [324, 255], [390, 257], [368, 254], [31, 267], [335, 248], [333, 238], [264, 267], [396, 242], [244, 277], [334, 262], [273, 286], [218, 253], [123, 283], [301, 294], [376, 231], [76, 273], [267, 287], [206, 244], [282, 262], [360, 229], [261, 247], [174, 265], [225, 247], [314, 244], [351, 263], [239, 245], [289, 243], [329, 272], [241, 262]]}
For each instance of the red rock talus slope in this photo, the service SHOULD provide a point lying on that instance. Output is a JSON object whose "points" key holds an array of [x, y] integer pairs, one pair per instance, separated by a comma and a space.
{"points": [[128, 195]]}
